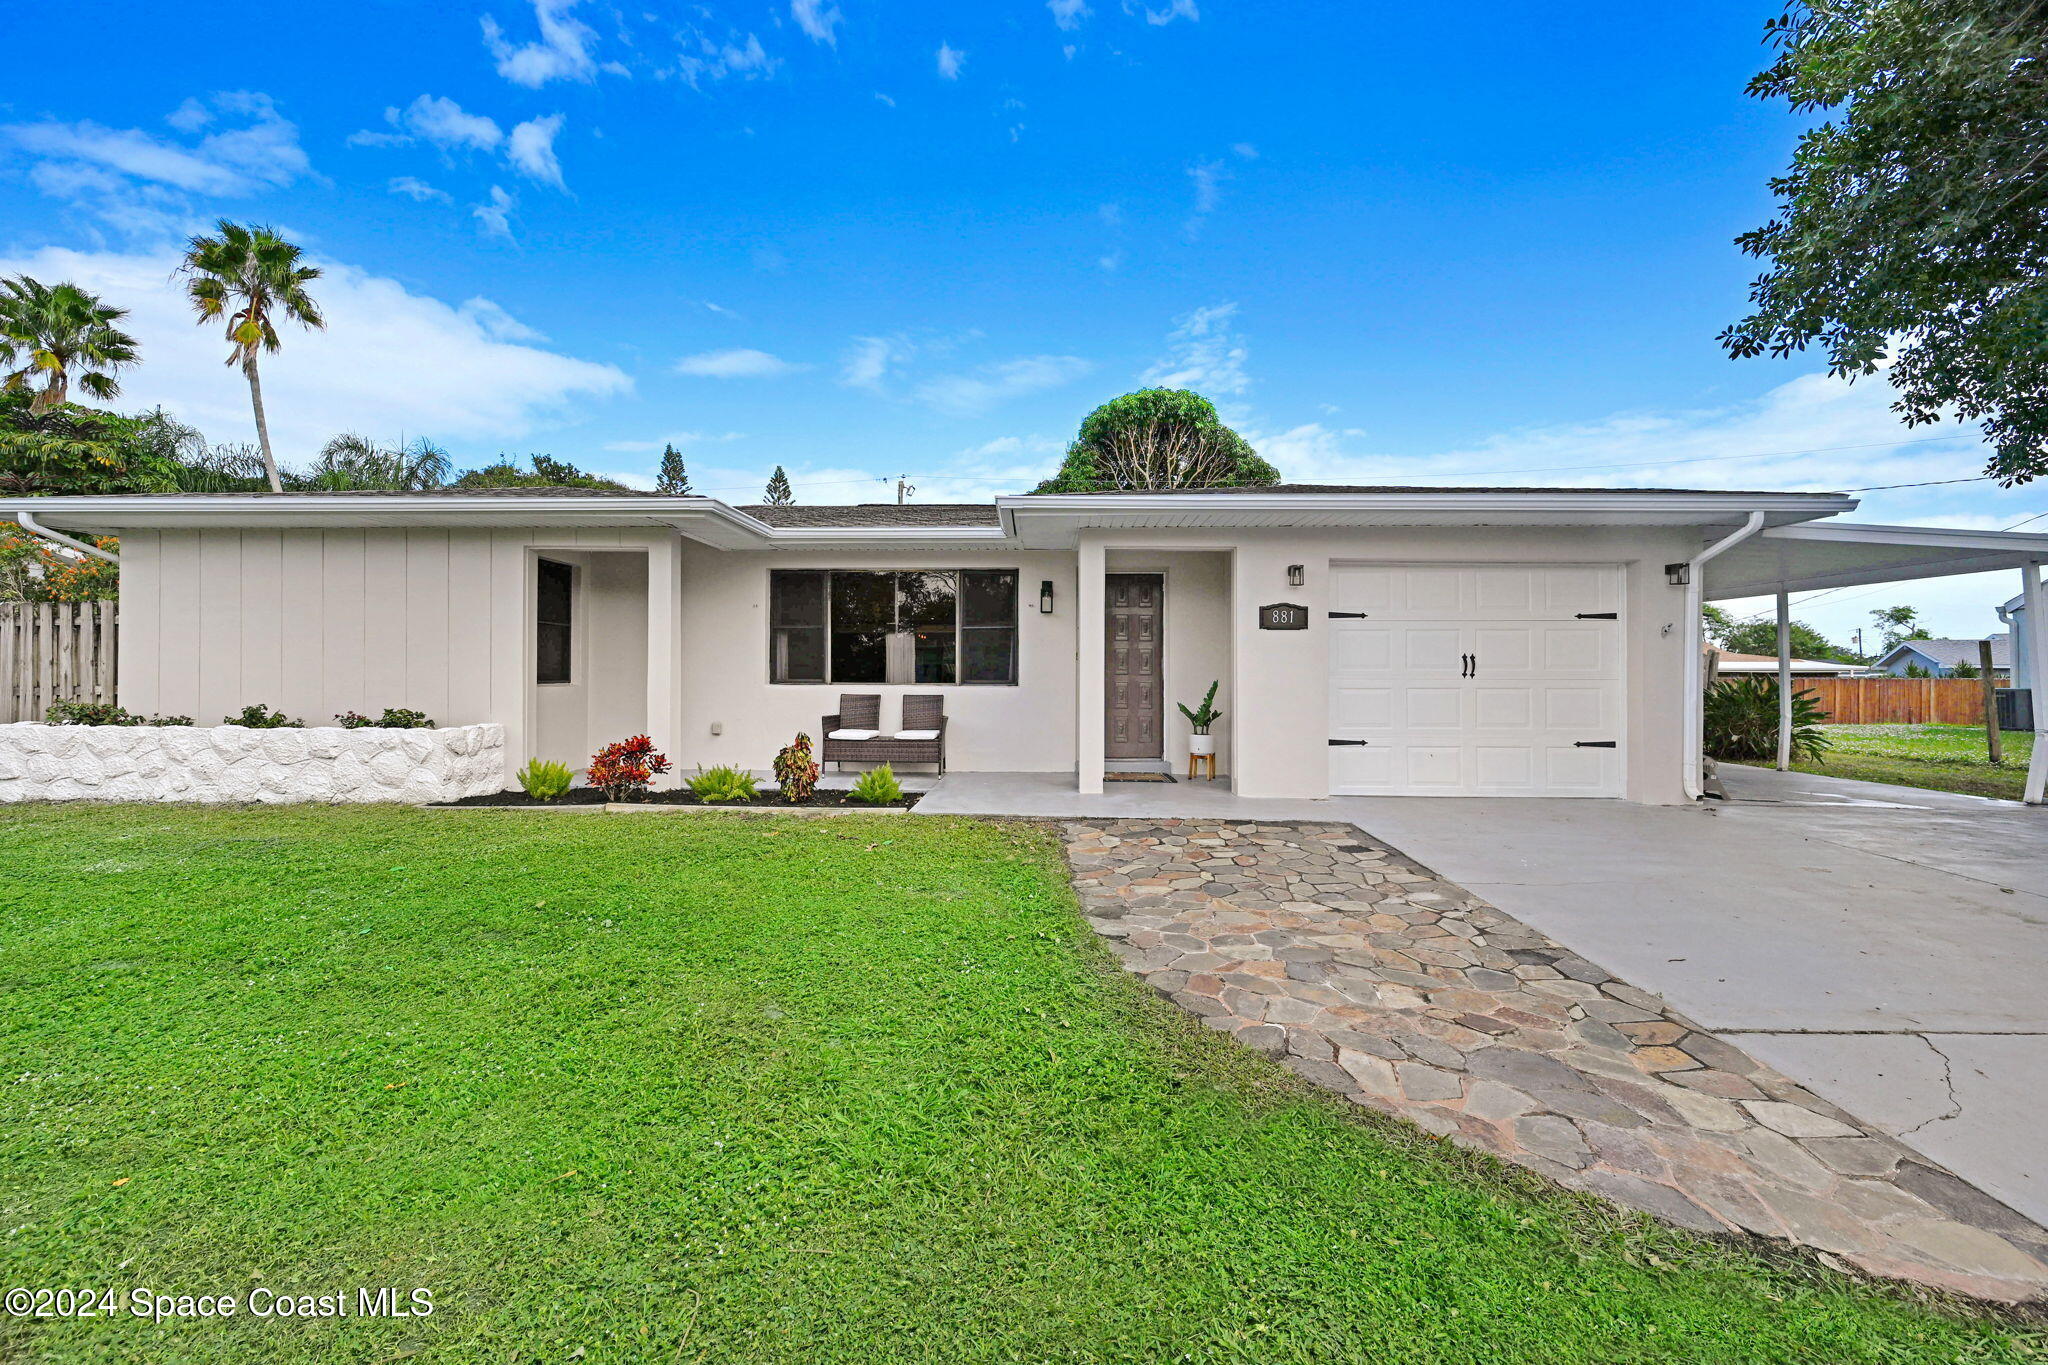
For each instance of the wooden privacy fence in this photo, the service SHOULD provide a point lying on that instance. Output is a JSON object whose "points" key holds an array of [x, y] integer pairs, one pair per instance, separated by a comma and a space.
{"points": [[54, 651], [1897, 701]]}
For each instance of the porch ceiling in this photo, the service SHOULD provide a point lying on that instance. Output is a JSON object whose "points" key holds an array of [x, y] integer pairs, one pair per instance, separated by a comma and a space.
{"points": [[1807, 557]]}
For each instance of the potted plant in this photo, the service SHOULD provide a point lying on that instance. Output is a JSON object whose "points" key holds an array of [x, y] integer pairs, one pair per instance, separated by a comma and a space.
{"points": [[1201, 718]]}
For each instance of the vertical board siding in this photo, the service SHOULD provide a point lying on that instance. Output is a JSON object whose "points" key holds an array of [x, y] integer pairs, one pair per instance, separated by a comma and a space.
{"points": [[1897, 701], [302, 628], [54, 651]]}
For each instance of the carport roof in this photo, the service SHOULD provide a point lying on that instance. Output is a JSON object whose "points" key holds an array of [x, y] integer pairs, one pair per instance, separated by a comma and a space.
{"points": [[1806, 557]]}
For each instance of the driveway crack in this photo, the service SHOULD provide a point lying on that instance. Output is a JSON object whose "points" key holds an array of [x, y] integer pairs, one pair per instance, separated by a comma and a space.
{"points": [[1948, 1083]]}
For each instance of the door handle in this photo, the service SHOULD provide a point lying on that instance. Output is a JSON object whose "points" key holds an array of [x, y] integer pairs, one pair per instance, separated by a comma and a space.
{"points": [[1336, 742], [1469, 667], [1593, 744]]}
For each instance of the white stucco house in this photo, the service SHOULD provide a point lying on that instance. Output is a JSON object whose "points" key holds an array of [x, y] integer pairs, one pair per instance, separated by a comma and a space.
{"points": [[1380, 641]]}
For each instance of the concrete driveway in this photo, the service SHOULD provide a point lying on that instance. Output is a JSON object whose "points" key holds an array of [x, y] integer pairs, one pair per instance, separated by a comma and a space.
{"points": [[1885, 946]]}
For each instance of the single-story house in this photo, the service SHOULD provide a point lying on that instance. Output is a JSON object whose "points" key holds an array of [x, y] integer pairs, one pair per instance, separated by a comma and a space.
{"points": [[1737, 665], [1940, 657], [1369, 640]]}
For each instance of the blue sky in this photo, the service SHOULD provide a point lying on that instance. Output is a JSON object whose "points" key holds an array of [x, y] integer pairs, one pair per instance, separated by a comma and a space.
{"points": [[1487, 243]]}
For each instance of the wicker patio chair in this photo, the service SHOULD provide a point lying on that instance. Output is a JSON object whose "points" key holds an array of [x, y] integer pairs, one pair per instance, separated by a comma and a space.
{"points": [[921, 711], [857, 711]]}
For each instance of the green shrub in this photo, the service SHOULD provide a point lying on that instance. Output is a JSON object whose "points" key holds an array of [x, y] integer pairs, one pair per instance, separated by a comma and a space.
{"points": [[1742, 721], [877, 787], [723, 783], [261, 717], [394, 718], [796, 772], [544, 780], [103, 713]]}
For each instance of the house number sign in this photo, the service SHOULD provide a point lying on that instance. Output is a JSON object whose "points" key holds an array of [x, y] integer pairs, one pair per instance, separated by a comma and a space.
{"points": [[1283, 616]]}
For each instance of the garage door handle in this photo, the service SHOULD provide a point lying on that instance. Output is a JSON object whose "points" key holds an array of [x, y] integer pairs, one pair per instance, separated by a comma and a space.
{"points": [[1598, 616], [1594, 744], [1471, 669], [1347, 616], [1336, 742]]}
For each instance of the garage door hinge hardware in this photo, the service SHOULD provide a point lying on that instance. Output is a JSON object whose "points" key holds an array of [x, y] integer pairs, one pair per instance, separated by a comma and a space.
{"points": [[1594, 744], [1599, 616], [1335, 742], [1348, 616]]}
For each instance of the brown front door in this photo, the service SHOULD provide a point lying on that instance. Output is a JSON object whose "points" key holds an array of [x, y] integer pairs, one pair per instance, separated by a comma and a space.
{"points": [[1135, 724]]}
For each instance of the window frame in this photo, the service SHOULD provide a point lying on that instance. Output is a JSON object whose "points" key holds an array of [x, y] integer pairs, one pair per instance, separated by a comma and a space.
{"points": [[960, 630], [575, 583]]}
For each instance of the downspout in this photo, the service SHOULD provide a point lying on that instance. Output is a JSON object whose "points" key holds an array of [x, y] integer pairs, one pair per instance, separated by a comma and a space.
{"points": [[1695, 721], [29, 524]]}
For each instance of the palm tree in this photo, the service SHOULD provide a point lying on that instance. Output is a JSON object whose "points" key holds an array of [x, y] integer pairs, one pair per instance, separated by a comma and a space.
{"points": [[350, 462], [63, 334], [247, 275]]}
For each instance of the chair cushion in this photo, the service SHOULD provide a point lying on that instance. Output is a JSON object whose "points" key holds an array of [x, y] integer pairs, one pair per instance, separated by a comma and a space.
{"points": [[853, 734], [917, 734]]}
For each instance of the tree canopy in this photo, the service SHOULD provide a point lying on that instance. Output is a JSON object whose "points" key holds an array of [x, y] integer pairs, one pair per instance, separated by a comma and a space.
{"points": [[674, 479], [52, 336], [72, 449], [778, 492], [546, 472], [1912, 227], [1158, 438]]}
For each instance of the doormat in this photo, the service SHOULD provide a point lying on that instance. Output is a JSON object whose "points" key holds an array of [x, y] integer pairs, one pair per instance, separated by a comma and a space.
{"points": [[1137, 777]]}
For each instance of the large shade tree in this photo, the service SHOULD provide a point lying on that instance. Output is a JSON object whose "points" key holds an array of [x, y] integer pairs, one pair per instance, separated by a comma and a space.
{"points": [[252, 279], [53, 336], [1158, 438], [1912, 227]]}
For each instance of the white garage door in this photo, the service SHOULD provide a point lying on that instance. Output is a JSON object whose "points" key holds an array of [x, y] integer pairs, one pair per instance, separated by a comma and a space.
{"points": [[1502, 680]]}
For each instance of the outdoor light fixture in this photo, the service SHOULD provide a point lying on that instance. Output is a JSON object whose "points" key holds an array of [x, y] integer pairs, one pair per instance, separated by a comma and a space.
{"points": [[1295, 576], [1678, 575], [1045, 596]]}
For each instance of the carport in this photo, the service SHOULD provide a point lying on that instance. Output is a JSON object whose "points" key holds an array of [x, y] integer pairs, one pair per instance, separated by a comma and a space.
{"points": [[1760, 561]]}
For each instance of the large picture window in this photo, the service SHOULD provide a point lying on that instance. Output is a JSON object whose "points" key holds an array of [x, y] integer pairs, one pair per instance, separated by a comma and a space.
{"points": [[892, 626], [553, 604]]}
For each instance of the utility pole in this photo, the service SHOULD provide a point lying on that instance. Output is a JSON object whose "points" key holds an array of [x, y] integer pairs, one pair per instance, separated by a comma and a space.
{"points": [[904, 488]]}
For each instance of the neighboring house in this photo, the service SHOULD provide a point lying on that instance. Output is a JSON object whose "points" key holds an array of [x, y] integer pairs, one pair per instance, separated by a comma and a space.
{"points": [[2014, 614], [1376, 641], [1940, 657], [1736, 664]]}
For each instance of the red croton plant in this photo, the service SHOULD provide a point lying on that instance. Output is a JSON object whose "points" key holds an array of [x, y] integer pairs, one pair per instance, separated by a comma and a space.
{"points": [[623, 770]]}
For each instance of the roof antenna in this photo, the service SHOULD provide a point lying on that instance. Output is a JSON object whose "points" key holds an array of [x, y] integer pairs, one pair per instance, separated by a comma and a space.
{"points": [[904, 488]]}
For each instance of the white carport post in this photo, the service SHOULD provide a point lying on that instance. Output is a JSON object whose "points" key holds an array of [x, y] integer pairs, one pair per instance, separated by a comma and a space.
{"points": [[1784, 680], [2036, 603]]}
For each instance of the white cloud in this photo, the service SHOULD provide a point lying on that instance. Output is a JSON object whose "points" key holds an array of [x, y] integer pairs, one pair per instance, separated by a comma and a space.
{"points": [[389, 361], [722, 310], [736, 363], [498, 324], [1204, 353], [1207, 178], [531, 150], [886, 99], [949, 59], [563, 52], [115, 170], [817, 18], [1068, 14], [734, 56], [419, 191], [867, 362], [967, 395], [1179, 9], [495, 213], [446, 124], [1245, 150]]}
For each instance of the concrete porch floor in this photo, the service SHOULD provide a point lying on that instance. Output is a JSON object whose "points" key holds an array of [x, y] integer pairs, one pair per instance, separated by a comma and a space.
{"points": [[1885, 946]]}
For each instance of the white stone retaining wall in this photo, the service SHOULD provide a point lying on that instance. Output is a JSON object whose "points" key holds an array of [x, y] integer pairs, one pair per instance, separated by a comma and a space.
{"points": [[234, 763]]}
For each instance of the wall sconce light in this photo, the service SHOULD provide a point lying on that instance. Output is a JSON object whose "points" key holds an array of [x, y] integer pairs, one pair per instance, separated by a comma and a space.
{"points": [[1045, 596], [1295, 576], [1678, 575]]}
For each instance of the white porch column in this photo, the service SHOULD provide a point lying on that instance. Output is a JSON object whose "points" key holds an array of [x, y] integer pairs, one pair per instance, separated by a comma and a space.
{"points": [[1784, 680], [2036, 602], [665, 648], [1089, 704]]}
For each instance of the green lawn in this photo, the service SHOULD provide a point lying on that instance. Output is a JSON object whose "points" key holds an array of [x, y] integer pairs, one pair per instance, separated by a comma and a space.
{"points": [[1950, 758], [727, 1088]]}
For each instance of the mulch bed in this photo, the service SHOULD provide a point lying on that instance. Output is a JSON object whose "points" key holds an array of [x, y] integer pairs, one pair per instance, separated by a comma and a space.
{"points": [[768, 800]]}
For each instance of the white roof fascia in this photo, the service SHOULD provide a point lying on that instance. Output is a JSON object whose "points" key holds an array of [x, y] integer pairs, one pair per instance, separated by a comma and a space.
{"points": [[1938, 552]]}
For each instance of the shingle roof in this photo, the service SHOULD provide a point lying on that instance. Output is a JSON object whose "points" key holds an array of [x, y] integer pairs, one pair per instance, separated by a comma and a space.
{"points": [[880, 514], [1949, 653]]}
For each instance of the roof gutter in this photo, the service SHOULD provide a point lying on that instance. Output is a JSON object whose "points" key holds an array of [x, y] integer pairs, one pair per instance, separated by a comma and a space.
{"points": [[1695, 663], [29, 524]]}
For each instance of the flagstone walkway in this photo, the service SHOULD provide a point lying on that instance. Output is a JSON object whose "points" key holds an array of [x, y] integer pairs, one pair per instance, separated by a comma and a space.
{"points": [[1367, 974]]}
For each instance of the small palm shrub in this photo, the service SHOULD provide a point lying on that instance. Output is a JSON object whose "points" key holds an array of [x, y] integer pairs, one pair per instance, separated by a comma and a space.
{"points": [[723, 783], [1742, 721], [877, 787], [796, 771], [624, 770], [261, 717], [544, 780]]}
